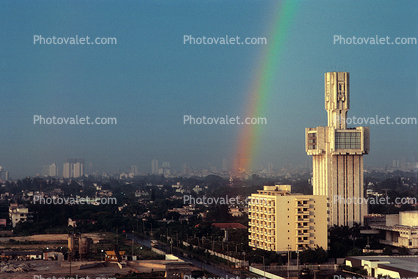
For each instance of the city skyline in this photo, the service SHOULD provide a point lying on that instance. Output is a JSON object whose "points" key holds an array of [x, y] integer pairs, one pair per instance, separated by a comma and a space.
{"points": [[151, 79]]}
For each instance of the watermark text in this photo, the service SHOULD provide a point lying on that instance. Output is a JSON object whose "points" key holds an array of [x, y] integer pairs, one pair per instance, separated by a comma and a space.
{"points": [[227, 40], [39, 119], [39, 39], [376, 40], [227, 120], [71, 201]]}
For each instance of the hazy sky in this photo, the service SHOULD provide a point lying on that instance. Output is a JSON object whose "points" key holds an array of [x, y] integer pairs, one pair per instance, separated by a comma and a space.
{"points": [[149, 80]]}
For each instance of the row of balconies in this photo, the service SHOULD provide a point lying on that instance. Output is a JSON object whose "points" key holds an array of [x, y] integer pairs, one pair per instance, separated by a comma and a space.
{"points": [[261, 210], [302, 205], [306, 234], [300, 242], [261, 219], [261, 235], [266, 226], [261, 231], [301, 211], [301, 225], [272, 240], [254, 205], [264, 246], [266, 240]]}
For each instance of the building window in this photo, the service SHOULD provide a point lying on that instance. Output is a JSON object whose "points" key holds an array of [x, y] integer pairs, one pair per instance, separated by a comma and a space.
{"points": [[347, 140], [312, 141]]}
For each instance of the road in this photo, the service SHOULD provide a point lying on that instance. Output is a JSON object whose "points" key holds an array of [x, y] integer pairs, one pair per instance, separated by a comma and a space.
{"points": [[212, 269]]}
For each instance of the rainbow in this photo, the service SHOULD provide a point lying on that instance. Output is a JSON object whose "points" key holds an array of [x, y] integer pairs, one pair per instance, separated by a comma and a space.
{"points": [[260, 88]]}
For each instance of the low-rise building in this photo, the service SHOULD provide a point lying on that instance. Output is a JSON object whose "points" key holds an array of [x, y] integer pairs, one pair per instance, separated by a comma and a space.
{"points": [[399, 229], [391, 266], [18, 213]]}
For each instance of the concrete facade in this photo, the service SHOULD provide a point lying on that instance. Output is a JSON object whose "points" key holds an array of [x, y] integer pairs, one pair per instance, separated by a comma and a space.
{"points": [[400, 229], [18, 213], [337, 153], [280, 221], [391, 266]]}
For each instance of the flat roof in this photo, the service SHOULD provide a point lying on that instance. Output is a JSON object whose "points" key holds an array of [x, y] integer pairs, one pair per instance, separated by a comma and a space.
{"points": [[398, 263]]}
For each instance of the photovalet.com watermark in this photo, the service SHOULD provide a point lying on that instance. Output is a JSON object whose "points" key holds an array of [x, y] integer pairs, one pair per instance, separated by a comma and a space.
{"points": [[373, 200], [226, 40], [376, 120], [204, 200], [54, 120], [72, 277], [227, 120], [211, 200], [72, 201], [77, 40], [375, 40]]}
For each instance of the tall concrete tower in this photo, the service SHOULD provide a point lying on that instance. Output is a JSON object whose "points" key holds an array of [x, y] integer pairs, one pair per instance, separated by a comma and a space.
{"points": [[337, 153]]}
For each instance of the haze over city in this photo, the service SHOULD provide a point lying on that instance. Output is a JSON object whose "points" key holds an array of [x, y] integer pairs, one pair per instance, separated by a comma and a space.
{"points": [[151, 78]]}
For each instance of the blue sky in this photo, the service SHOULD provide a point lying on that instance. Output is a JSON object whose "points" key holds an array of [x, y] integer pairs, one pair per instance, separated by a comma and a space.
{"points": [[150, 79]]}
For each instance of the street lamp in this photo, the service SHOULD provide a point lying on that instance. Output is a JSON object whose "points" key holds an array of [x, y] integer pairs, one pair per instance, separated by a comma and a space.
{"points": [[102, 255]]}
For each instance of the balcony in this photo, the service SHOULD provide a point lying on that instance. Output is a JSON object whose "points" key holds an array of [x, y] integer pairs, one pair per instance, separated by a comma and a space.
{"points": [[301, 205]]}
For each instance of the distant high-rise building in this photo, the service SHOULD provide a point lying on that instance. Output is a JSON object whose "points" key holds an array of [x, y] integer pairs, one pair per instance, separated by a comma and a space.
{"points": [[337, 153], [165, 168], [154, 166], [50, 170], [53, 170], [78, 169], [67, 170], [134, 170], [73, 168], [4, 175]]}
